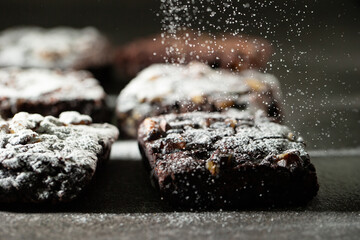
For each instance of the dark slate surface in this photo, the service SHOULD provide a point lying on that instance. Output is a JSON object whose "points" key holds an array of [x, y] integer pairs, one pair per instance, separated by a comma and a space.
{"points": [[122, 204]]}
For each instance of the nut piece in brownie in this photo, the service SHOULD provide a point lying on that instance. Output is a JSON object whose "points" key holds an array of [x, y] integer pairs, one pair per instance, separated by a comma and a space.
{"points": [[48, 159], [231, 52], [218, 160], [50, 92], [167, 88], [61, 47]]}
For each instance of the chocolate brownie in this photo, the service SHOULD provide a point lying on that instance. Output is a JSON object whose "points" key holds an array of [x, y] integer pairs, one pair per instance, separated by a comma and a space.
{"points": [[48, 159], [231, 52], [61, 47], [221, 160], [167, 88], [50, 92]]}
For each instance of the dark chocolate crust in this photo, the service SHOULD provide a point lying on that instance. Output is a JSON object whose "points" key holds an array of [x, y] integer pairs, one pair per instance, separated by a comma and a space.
{"points": [[166, 88], [230, 52], [213, 160], [98, 110], [45, 159], [52, 102]]}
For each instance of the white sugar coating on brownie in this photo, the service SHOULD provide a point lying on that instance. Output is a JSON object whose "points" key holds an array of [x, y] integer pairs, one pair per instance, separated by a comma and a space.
{"points": [[60, 47], [176, 82], [46, 85], [44, 159], [167, 88], [72, 117]]}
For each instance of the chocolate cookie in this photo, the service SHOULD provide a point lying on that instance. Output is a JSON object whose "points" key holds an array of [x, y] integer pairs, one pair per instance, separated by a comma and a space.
{"points": [[231, 52], [50, 92], [218, 160], [48, 159], [166, 88], [56, 48]]}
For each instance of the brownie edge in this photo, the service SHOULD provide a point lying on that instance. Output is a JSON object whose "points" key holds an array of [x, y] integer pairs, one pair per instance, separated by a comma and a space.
{"points": [[214, 160]]}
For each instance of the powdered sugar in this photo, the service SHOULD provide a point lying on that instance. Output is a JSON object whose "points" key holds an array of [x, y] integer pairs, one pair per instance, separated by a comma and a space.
{"points": [[177, 83], [52, 158], [44, 85], [60, 47]]}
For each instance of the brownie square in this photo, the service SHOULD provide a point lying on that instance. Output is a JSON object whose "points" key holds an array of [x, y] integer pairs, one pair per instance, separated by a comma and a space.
{"points": [[56, 48], [48, 159], [227, 51], [216, 160], [167, 88], [50, 92]]}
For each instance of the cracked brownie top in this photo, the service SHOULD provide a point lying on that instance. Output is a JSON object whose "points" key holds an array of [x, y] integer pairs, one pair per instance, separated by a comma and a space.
{"points": [[178, 143]]}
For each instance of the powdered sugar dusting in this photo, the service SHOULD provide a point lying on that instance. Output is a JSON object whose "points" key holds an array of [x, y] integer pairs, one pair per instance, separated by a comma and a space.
{"points": [[47, 85], [60, 47], [52, 158]]}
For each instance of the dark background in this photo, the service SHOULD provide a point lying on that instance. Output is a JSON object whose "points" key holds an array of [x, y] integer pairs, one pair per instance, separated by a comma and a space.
{"points": [[318, 69], [320, 75]]}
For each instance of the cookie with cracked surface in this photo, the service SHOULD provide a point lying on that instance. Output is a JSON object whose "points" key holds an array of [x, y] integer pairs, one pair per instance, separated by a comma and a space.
{"points": [[216, 160], [166, 88], [50, 92], [48, 159]]}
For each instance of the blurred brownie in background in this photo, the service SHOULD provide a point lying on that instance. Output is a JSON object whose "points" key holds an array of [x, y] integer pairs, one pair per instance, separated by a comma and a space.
{"points": [[222, 51], [168, 88], [56, 48], [50, 92]]}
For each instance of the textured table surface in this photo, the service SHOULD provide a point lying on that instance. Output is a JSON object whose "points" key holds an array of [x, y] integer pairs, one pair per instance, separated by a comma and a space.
{"points": [[122, 204]]}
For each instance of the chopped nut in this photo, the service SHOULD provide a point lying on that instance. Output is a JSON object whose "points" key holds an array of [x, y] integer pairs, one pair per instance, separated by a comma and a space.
{"points": [[142, 100], [288, 158], [199, 99], [4, 127], [206, 122], [156, 100], [180, 145], [212, 167], [282, 156], [151, 130], [224, 104], [149, 124], [231, 122], [255, 85], [164, 126], [136, 116], [51, 55], [153, 78], [291, 136]]}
